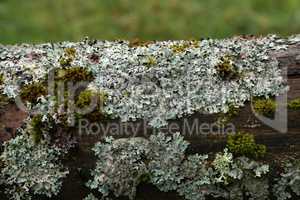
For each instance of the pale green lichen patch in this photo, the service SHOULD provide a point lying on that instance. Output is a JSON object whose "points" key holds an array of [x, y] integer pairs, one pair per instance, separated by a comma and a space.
{"points": [[160, 80]]}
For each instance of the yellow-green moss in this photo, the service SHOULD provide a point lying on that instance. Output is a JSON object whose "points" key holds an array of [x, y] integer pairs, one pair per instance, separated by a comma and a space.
{"points": [[31, 92], [179, 48], [85, 98], [266, 107], [294, 104], [70, 52], [226, 69], [243, 144], [151, 61], [74, 74], [68, 57]]}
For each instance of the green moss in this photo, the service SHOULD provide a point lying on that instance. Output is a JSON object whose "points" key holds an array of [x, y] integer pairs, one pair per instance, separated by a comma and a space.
{"points": [[151, 61], [179, 48], [294, 104], [226, 69], [65, 62], [70, 52], [68, 57], [85, 98], [31, 92], [74, 74], [266, 107], [243, 144]]}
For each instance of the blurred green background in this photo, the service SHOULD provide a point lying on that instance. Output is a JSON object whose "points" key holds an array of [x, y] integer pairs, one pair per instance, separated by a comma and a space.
{"points": [[57, 20]]}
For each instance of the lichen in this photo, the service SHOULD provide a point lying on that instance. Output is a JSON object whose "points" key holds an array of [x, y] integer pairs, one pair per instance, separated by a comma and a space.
{"points": [[119, 166], [31, 169], [287, 185], [178, 84]]}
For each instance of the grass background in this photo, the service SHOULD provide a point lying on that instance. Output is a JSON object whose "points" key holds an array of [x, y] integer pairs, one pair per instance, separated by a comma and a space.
{"points": [[58, 20]]}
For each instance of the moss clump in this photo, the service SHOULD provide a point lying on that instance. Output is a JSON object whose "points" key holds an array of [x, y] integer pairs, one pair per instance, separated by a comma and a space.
{"points": [[151, 61], [243, 144], [139, 43], [265, 107], [74, 74], [68, 57], [294, 104], [226, 69], [31, 92], [179, 48], [85, 99], [70, 52]]}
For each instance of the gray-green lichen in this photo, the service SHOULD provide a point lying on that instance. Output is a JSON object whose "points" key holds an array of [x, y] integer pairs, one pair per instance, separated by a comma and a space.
{"points": [[158, 81]]}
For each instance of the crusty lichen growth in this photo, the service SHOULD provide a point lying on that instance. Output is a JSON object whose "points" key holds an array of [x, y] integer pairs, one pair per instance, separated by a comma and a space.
{"points": [[181, 83]]}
